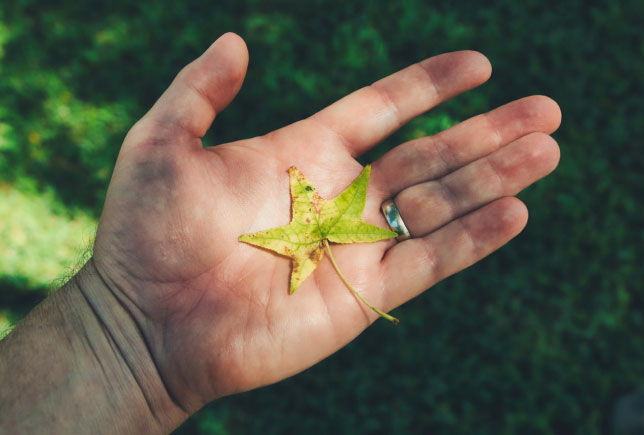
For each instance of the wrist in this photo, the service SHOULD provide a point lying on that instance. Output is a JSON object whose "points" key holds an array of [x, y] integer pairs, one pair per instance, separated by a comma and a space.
{"points": [[115, 335], [80, 360]]}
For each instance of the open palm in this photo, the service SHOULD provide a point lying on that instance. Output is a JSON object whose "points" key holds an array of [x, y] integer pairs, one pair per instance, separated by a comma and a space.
{"points": [[216, 313]]}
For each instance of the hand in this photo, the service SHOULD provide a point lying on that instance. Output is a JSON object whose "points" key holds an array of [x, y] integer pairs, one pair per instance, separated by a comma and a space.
{"points": [[216, 313]]}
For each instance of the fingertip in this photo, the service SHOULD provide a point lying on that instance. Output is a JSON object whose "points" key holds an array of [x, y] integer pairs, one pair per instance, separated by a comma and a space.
{"points": [[229, 55], [548, 109], [482, 64], [475, 64], [232, 36], [512, 215], [556, 111], [458, 71], [529, 158], [550, 153], [236, 44]]}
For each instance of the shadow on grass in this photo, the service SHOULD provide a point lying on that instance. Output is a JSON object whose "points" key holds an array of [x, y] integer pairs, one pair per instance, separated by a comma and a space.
{"points": [[18, 298]]}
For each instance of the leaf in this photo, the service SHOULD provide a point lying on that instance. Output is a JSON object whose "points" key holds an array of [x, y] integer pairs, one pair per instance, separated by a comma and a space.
{"points": [[315, 222]]}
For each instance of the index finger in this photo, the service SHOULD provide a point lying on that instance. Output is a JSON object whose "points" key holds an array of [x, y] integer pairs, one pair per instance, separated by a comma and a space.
{"points": [[368, 115]]}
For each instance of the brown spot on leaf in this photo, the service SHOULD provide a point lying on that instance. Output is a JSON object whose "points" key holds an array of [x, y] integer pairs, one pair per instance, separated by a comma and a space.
{"points": [[317, 202]]}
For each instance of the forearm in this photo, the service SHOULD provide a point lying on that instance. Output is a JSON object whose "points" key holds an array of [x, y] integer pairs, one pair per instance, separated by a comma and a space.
{"points": [[78, 364]]}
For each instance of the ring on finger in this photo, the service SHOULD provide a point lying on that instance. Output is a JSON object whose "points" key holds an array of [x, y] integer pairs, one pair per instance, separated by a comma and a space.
{"points": [[394, 220]]}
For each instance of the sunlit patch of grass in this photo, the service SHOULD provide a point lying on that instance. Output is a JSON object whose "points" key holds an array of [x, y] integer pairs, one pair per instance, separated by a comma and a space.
{"points": [[40, 240]]}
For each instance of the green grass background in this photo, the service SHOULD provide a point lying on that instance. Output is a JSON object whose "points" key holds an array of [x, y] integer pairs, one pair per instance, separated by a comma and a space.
{"points": [[542, 337]]}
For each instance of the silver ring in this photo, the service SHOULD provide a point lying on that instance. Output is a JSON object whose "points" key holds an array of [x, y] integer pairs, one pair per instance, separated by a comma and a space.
{"points": [[394, 220]]}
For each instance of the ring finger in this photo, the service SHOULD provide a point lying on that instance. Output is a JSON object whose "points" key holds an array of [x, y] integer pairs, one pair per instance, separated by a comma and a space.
{"points": [[427, 206]]}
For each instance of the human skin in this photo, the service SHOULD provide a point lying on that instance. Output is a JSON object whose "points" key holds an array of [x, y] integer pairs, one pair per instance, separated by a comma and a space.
{"points": [[172, 311]]}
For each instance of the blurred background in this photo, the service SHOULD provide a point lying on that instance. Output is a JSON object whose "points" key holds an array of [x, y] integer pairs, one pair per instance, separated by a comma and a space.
{"points": [[542, 337]]}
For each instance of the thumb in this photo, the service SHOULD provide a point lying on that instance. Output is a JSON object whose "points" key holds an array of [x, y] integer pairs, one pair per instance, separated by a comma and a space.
{"points": [[202, 88]]}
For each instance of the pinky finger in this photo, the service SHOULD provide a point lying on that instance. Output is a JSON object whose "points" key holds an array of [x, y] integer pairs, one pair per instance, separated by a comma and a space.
{"points": [[414, 265]]}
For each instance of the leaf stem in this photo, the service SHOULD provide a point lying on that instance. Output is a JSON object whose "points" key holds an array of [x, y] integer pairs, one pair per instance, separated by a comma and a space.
{"points": [[392, 319]]}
